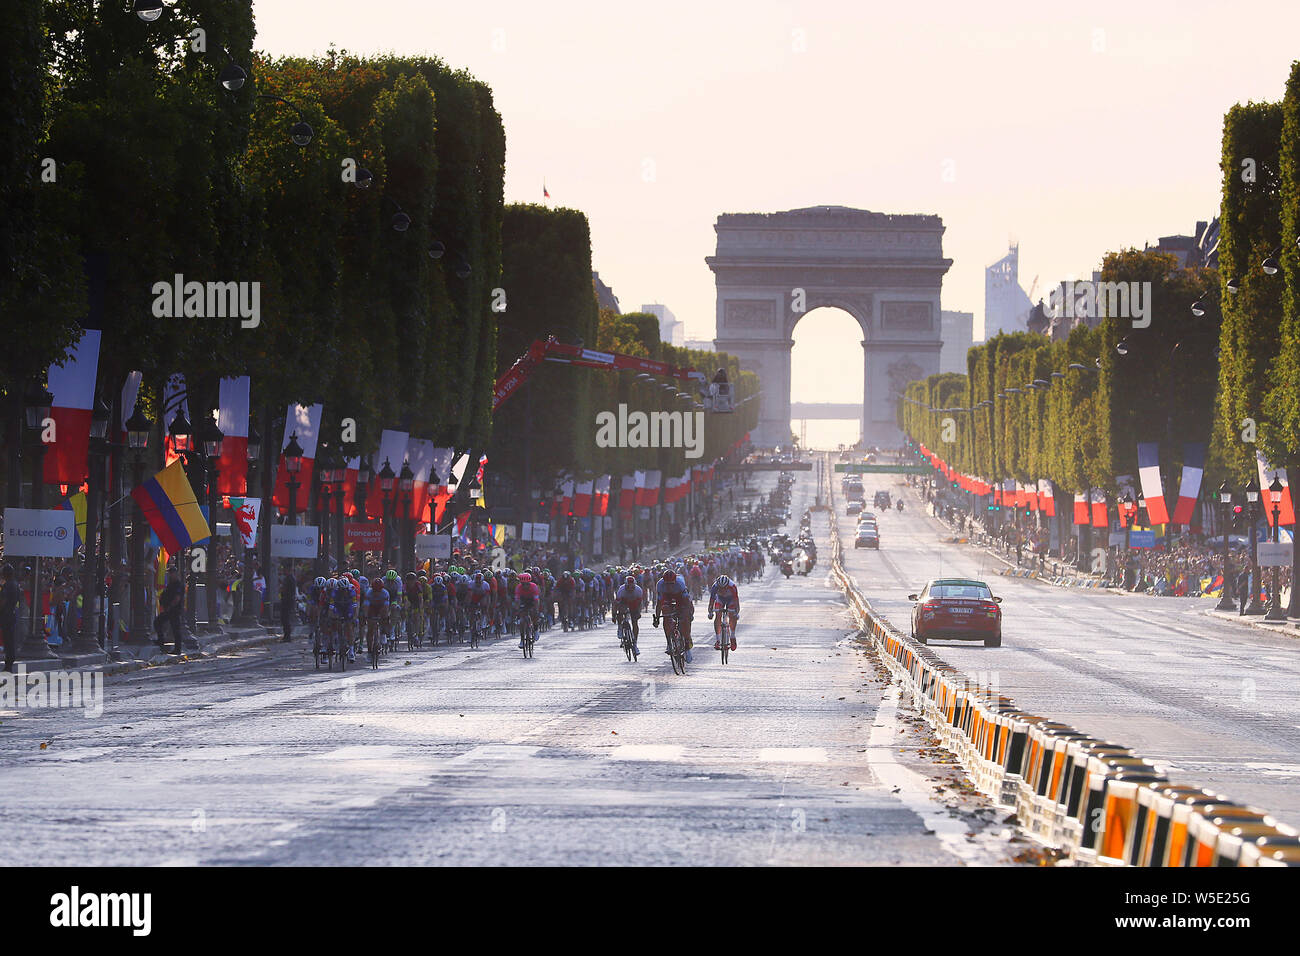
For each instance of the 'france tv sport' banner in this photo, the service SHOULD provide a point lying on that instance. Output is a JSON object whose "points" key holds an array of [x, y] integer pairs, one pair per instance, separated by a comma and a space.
{"points": [[294, 540], [38, 533]]}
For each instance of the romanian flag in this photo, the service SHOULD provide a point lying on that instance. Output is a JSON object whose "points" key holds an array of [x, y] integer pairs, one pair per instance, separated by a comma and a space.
{"points": [[171, 509]]}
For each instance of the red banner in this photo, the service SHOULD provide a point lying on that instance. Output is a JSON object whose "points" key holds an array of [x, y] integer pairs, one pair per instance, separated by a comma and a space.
{"points": [[364, 536]]}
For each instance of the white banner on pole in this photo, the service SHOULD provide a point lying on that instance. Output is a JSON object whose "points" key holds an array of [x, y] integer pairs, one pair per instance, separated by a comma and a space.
{"points": [[436, 546], [39, 532], [1272, 555], [294, 541]]}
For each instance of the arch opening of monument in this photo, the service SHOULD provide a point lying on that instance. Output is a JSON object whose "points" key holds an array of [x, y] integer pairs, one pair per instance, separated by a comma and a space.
{"points": [[826, 383], [885, 271]]}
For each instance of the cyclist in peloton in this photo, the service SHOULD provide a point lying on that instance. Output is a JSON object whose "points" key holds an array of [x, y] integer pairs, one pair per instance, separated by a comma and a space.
{"points": [[376, 609], [345, 609], [724, 597], [629, 600], [480, 596], [671, 594], [527, 596]]}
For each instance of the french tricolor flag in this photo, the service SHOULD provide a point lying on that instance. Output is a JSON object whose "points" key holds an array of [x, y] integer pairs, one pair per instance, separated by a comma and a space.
{"points": [[350, 469], [232, 419], [392, 449], [649, 495], [1190, 486], [640, 488], [582, 492], [73, 386], [1081, 509], [1153, 489], [1100, 517], [601, 506], [1046, 498], [420, 454], [442, 461], [303, 421], [566, 497], [627, 493], [1286, 513]]}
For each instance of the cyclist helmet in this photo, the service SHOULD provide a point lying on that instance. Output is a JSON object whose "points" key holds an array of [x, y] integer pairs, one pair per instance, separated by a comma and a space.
{"points": [[630, 581], [377, 583], [723, 581], [525, 577], [669, 575], [320, 582], [567, 574], [410, 575], [390, 575], [332, 585]]}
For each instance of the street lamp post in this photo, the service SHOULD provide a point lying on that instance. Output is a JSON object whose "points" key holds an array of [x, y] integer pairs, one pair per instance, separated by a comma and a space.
{"points": [[1252, 515], [386, 477], [183, 444], [292, 466], [92, 572], [405, 525], [213, 440], [137, 439], [1225, 500], [37, 406], [1277, 612]]}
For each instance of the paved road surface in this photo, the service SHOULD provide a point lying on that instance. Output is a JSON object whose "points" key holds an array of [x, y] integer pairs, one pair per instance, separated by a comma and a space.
{"points": [[792, 754]]}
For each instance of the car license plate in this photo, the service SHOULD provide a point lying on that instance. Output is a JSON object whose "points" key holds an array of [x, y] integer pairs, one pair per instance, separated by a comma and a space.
{"points": [[960, 610]]}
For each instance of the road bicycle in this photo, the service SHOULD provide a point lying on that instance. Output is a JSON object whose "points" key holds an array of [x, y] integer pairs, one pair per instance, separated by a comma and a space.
{"points": [[527, 633], [374, 641], [676, 643], [725, 643], [475, 627], [626, 639]]}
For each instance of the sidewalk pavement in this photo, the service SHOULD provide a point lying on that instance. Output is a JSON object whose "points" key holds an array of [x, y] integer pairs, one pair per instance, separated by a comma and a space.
{"points": [[134, 657]]}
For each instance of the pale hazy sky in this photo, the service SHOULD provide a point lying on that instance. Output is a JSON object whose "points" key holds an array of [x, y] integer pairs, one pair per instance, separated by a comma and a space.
{"points": [[1074, 129]]}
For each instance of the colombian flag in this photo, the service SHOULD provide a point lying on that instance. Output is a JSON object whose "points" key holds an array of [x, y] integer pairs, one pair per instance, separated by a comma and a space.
{"points": [[77, 505], [171, 509]]}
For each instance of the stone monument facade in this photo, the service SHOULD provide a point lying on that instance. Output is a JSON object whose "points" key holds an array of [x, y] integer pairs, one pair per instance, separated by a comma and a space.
{"points": [[884, 270]]}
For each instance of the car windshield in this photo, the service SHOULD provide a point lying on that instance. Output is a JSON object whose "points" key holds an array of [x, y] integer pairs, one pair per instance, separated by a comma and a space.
{"points": [[961, 591]]}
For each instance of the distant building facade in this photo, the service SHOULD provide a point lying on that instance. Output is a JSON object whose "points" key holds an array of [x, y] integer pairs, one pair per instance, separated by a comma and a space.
{"points": [[605, 297], [957, 329], [1006, 305], [1198, 251], [671, 331]]}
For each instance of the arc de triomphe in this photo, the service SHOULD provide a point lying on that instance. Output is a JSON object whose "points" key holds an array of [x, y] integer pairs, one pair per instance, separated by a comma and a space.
{"points": [[884, 270]]}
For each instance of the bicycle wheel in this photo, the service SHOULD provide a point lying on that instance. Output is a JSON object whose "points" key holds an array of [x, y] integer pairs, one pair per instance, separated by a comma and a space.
{"points": [[725, 643]]}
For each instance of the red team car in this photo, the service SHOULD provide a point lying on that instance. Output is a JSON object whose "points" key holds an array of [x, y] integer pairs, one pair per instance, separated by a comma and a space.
{"points": [[959, 609]]}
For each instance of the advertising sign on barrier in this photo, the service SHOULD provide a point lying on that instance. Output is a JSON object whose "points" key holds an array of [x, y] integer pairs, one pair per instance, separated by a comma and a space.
{"points": [[294, 541], [38, 532], [1274, 555], [436, 546]]}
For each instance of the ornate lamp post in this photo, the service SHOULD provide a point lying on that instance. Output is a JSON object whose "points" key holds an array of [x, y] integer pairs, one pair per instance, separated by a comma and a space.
{"points": [[475, 497], [293, 465], [1276, 612], [325, 469], [138, 427], [1252, 515], [36, 405], [386, 478], [87, 641], [247, 614], [213, 440], [403, 524], [1225, 501]]}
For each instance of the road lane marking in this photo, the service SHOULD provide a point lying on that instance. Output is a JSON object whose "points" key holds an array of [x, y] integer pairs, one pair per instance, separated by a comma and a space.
{"points": [[647, 752], [792, 755]]}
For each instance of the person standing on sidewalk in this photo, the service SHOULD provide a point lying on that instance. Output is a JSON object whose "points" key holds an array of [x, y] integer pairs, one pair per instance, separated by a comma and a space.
{"points": [[172, 602], [9, 600], [288, 601], [1243, 591]]}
